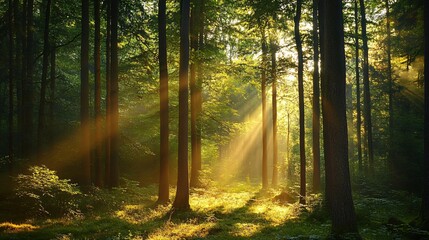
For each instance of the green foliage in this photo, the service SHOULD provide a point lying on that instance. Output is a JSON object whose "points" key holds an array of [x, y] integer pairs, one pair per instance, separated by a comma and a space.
{"points": [[42, 192]]}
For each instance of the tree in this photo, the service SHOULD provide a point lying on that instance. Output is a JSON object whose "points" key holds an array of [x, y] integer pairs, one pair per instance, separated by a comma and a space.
{"points": [[163, 193], [114, 90], [389, 76], [264, 109], [97, 97], [358, 92], [366, 95], [44, 80], [298, 41], [84, 97], [425, 198], [107, 161], [181, 200], [52, 91], [11, 76], [338, 187], [316, 102], [273, 48]]}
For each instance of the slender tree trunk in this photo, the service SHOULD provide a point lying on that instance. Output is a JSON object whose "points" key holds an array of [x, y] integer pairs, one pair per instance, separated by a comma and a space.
{"points": [[200, 77], [358, 101], [97, 97], [338, 187], [195, 149], [20, 45], [181, 200], [84, 98], [301, 103], [52, 93], [274, 103], [11, 64], [367, 95], [114, 100], [289, 161], [163, 193], [44, 81], [425, 198], [316, 102], [389, 80], [264, 112], [27, 81], [107, 164]]}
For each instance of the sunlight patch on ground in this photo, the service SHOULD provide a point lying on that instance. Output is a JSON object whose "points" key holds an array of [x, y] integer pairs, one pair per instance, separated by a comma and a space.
{"points": [[8, 227], [191, 229], [222, 201], [274, 213], [137, 214], [245, 229]]}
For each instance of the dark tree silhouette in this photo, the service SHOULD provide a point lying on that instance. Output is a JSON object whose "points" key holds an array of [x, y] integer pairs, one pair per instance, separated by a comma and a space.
{"points": [[98, 178], [163, 193], [425, 199], [338, 187], [358, 92], [107, 161], [114, 90], [11, 73], [181, 200]]}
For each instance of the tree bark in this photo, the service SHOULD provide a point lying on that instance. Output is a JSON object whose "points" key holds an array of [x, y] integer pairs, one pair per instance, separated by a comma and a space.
{"points": [[11, 73], [181, 200], [52, 93], [84, 98], [358, 92], [389, 80], [264, 110], [301, 103], [107, 164], [273, 48], [98, 178], [316, 102], [44, 81], [114, 100], [367, 95], [425, 198], [163, 192], [338, 187]]}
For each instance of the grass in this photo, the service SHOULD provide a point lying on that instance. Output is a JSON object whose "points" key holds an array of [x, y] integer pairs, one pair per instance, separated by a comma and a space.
{"points": [[237, 211]]}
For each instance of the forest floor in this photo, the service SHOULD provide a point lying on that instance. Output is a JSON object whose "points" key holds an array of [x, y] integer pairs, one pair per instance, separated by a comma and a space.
{"points": [[238, 211]]}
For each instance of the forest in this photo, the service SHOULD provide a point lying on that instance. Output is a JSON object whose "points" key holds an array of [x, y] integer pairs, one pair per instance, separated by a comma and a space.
{"points": [[214, 119]]}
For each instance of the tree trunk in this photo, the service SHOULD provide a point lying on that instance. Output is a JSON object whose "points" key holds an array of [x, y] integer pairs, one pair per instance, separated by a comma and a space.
{"points": [[389, 80], [163, 193], [273, 48], [181, 200], [19, 74], [425, 198], [11, 73], [195, 149], [338, 187], [27, 82], [367, 95], [358, 101], [44, 81], [107, 167], [264, 111], [301, 103], [84, 98], [97, 97], [114, 100], [200, 77], [52, 93], [316, 102]]}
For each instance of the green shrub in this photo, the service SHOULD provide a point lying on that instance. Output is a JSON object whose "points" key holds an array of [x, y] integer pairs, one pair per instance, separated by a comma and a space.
{"points": [[42, 192]]}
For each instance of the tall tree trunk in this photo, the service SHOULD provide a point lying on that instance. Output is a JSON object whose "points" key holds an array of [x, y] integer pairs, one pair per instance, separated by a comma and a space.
{"points": [[273, 48], [181, 200], [11, 64], [264, 110], [27, 82], [84, 98], [107, 167], [358, 101], [195, 149], [114, 100], [289, 161], [316, 102], [301, 103], [52, 92], [389, 79], [44, 81], [200, 77], [425, 198], [338, 187], [97, 97], [19, 25], [163, 193], [367, 95]]}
